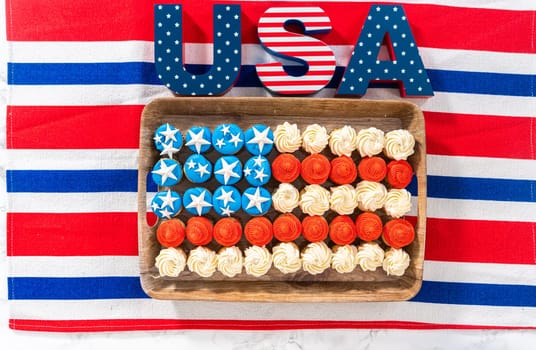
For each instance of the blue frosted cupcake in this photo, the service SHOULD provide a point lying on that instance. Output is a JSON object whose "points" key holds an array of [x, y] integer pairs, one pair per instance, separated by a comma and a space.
{"points": [[259, 139], [257, 171], [197, 169], [256, 201], [227, 138], [228, 170], [226, 200], [167, 139], [197, 200], [198, 139], [166, 172], [166, 204]]}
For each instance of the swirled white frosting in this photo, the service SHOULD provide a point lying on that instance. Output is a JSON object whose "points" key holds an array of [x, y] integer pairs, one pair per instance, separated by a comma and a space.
{"points": [[370, 256], [258, 261], [396, 262], [316, 258], [285, 198], [287, 137], [286, 257], [399, 144], [370, 141], [398, 202], [230, 261], [314, 138], [343, 199], [343, 141], [344, 259], [202, 261], [314, 200], [370, 195], [170, 262]]}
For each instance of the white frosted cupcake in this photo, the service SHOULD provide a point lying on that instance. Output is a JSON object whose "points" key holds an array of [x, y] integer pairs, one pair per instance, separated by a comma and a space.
{"points": [[286, 257], [343, 141], [202, 261], [287, 138], [314, 200], [370, 141], [396, 262], [170, 262], [230, 261], [343, 199], [370, 256], [258, 261], [285, 198], [399, 144], [314, 138], [344, 258], [398, 202], [371, 195], [316, 258]]}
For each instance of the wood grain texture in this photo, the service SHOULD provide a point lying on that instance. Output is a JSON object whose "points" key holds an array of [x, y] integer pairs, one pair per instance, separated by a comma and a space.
{"points": [[332, 113]]}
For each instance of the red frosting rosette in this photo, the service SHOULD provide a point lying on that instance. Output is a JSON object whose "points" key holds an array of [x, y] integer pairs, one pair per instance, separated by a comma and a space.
{"points": [[372, 169], [343, 170], [315, 169], [259, 231], [315, 228], [171, 233], [199, 230], [287, 227], [398, 233], [342, 230], [369, 226], [286, 167], [227, 231], [399, 173]]}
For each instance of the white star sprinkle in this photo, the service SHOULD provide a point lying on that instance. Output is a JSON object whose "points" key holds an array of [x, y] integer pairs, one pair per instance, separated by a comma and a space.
{"points": [[168, 200], [225, 129], [220, 143], [169, 133], [155, 206], [191, 164], [261, 138], [169, 150], [226, 211], [227, 171], [256, 200], [226, 197], [235, 139], [260, 175], [202, 170], [257, 161], [247, 171], [165, 171], [198, 202], [166, 213], [197, 140]]}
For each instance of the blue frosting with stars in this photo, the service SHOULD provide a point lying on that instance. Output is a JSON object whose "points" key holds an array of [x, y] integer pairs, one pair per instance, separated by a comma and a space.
{"points": [[228, 138], [166, 204], [167, 172], [197, 200], [226, 200], [256, 201], [198, 139], [167, 139], [259, 139], [257, 171], [197, 168], [228, 170]]}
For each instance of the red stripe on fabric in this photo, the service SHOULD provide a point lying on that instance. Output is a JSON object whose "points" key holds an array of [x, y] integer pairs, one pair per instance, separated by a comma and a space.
{"points": [[479, 136], [88, 234], [468, 28], [101, 325], [57, 127]]}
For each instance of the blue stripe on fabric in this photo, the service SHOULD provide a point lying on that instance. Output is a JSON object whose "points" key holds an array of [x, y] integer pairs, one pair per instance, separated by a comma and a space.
{"points": [[145, 73]]}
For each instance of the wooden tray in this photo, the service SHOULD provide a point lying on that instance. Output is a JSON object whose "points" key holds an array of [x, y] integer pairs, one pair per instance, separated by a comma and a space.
{"points": [[329, 286]]}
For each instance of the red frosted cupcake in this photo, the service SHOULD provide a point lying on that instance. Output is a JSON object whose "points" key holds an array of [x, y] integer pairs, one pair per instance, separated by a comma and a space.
{"points": [[372, 169], [286, 168], [171, 233], [369, 226], [343, 170], [398, 233], [259, 231], [315, 169], [315, 228], [342, 230], [287, 227], [227, 232], [399, 173], [199, 230]]}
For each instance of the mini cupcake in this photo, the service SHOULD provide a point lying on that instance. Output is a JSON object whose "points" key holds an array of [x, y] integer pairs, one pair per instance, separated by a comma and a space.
{"points": [[398, 202], [228, 138], [285, 198], [315, 169], [286, 167], [344, 258], [199, 230], [399, 173], [258, 231], [166, 204], [226, 200], [228, 170], [314, 138], [342, 230], [286, 258], [314, 200], [166, 172], [343, 199], [398, 233], [167, 139], [369, 226], [197, 200], [315, 228], [395, 262], [371, 195], [370, 141], [198, 139], [171, 233], [399, 144], [316, 258], [197, 168], [372, 169], [257, 261], [170, 262], [287, 227], [227, 231], [342, 141], [259, 139], [257, 171], [287, 138], [202, 261], [343, 170], [229, 261], [256, 201], [370, 256]]}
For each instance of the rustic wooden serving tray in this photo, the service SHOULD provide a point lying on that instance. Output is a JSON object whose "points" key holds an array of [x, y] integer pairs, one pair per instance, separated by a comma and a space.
{"points": [[330, 286]]}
